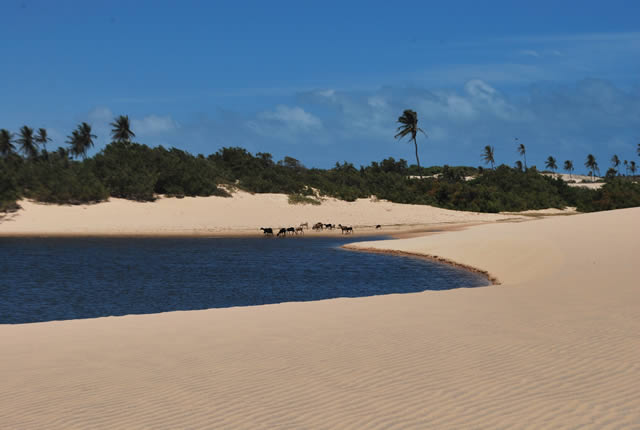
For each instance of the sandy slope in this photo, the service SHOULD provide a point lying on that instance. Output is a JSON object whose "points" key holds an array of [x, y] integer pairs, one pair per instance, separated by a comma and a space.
{"points": [[243, 213], [557, 345]]}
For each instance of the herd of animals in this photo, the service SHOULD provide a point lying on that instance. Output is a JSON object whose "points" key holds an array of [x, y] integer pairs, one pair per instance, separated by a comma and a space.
{"points": [[293, 231]]}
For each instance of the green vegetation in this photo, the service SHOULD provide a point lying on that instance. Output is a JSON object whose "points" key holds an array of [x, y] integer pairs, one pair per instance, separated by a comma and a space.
{"points": [[299, 199], [134, 171]]}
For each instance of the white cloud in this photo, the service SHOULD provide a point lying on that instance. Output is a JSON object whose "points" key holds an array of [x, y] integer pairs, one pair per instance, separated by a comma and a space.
{"points": [[377, 102], [530, 53], [326, 93], [100, 114], [154, 124], [292, 117]]}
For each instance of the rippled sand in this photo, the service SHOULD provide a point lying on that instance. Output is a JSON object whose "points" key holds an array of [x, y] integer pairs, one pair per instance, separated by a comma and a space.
{"points": [[556, 345]]}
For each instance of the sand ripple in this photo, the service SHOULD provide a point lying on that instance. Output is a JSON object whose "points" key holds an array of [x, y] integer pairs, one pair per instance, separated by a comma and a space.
{"points": [[558, 347]]}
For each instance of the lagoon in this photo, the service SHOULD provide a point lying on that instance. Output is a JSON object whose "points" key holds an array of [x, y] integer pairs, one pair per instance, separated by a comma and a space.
{"points": [[45, 279]]}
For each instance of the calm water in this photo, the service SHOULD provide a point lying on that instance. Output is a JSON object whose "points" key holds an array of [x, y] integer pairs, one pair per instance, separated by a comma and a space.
{"points": [[56, 279]]}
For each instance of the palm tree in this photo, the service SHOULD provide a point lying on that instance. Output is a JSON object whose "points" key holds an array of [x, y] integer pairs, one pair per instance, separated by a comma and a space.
{"points": [[26, 142], [615, 161], [6, 143], [551, 164], [80, 140], [632, 167], [409, 126], [568, 166], [638, 150], [121, 131], [519, 165], [42, 138], [523, 151], [62, 153], [592, 165], [626, 167], [487, 155], [75, 147]]}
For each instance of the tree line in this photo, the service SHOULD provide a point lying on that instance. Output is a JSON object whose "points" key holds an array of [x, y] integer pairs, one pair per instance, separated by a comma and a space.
{"points": [[488, 156], [131, 170]]}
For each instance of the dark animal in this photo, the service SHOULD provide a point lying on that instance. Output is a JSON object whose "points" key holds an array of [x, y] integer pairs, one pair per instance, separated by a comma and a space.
{"points": [[300, 230], [318, 226], [304, 225], [291, 230], [329, 226], [345, 229], [378, 226], [282, 232], [268, 231]]}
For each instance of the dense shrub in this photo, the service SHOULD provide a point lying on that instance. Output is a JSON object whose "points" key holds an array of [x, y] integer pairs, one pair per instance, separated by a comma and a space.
{"points": [[138, 172]]}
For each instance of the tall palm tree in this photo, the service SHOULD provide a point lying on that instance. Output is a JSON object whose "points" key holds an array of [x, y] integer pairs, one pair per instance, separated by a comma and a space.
{"points": [[6, 143], [26, 142], [409, 126], [638, 150], [626, 167], [81, 140], [632, 167], [42, 138], [121, 131], [568, 166], [523, 151], [592, 165], [487, 155], [615, 161], [551, 164], [519, 165], [75, 147]]}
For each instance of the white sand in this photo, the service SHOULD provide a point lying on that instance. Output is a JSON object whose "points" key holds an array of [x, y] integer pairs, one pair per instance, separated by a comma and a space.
{"points": [[583, 181], [243, 213], [557, 345]]}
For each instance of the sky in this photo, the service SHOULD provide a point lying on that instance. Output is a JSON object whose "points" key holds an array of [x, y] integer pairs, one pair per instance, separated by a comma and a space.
{"points": [[326, 81]]}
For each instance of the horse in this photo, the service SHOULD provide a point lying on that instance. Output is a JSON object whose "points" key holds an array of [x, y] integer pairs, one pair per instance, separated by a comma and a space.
{"points": [[282, 232], [291, 231], [345, 229], [318, 226], [268, 231]]}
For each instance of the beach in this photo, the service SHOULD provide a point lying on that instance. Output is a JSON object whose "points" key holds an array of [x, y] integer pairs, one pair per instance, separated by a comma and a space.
{"points": [[554, 344], [242, 214]]}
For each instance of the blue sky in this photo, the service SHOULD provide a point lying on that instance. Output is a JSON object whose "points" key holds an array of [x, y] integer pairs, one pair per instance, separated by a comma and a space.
{"points": [[326, 81]]}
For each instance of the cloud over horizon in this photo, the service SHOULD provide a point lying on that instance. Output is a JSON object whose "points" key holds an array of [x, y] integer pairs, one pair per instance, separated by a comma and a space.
{"points": [[154, 125], [328, 125]]}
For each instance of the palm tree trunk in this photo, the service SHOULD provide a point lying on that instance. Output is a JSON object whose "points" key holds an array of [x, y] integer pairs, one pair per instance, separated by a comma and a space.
{"points": [[417, 158], [525, 162]]}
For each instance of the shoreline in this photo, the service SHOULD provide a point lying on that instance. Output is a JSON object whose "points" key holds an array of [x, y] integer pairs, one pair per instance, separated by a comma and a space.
{"points": [[395, 231], [493, 280], [239, 216]]}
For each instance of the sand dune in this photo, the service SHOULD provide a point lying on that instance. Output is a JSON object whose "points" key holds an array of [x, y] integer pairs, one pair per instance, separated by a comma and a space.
{"points": [[243, 213], [556, 345]]}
